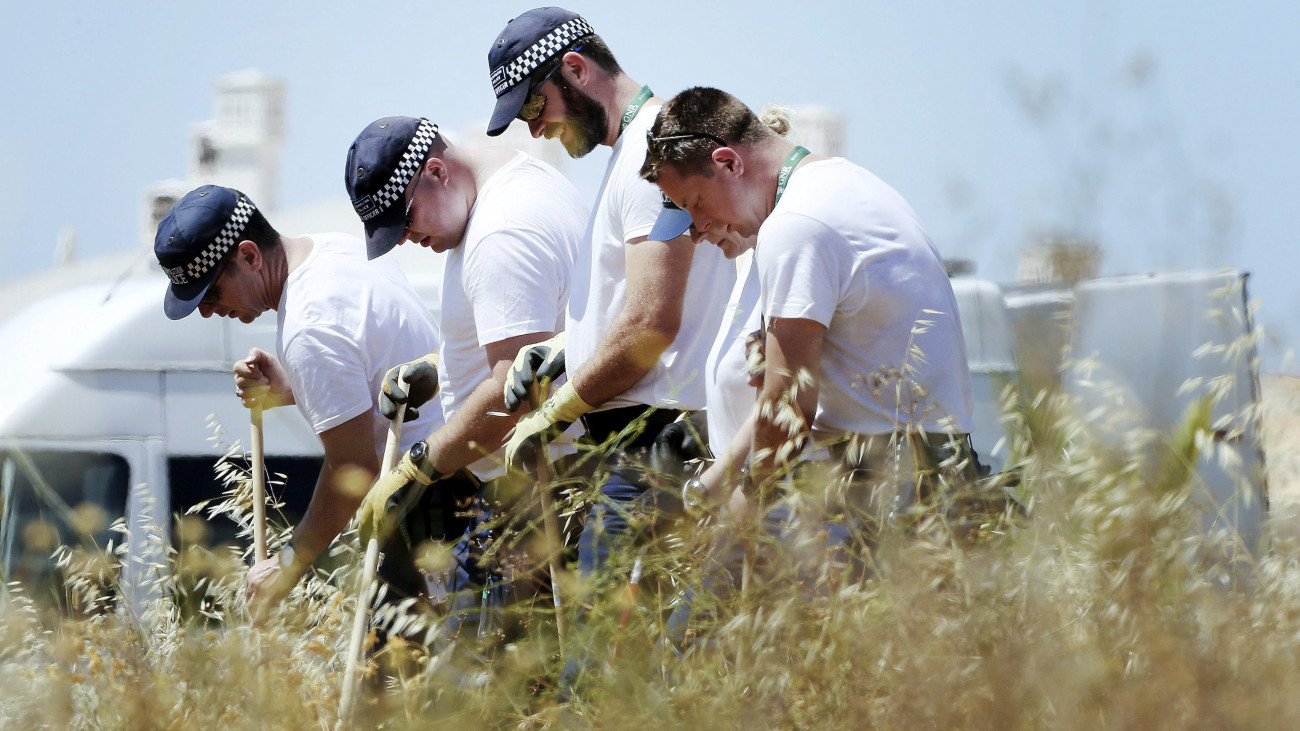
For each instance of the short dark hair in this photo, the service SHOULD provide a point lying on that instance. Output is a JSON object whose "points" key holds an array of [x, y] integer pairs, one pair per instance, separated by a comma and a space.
{"points": [[261, 232], [590, 46], [594, 48], [699, 116]]}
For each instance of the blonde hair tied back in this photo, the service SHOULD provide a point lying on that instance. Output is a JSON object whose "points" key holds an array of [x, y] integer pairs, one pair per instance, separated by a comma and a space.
{"points": [[776, 117]]}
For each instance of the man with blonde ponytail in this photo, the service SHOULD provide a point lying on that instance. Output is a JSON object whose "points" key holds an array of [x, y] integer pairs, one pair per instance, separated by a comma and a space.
{"points": [[864, 353]]}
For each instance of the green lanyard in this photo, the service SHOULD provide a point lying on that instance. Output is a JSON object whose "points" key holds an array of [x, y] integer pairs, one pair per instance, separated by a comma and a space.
{"points": [[629, 114], [787, 167]]}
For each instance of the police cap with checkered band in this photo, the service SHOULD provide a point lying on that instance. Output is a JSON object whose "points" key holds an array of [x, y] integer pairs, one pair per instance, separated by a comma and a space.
{"points": [[382, 161], [523, 47], [192, 239]]}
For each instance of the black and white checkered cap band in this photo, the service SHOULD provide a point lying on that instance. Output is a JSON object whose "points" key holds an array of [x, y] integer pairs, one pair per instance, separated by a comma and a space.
{"points": [[507, 77], [212, 253], [395, 189]]}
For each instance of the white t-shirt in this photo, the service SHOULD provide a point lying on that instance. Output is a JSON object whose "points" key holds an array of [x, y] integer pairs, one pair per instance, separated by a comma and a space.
{"points": [[730, 397], [509, 276], [342, 323], [626, 208], [844, 249]]}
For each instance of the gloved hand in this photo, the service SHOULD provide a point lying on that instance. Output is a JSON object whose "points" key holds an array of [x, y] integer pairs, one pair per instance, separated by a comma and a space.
{"points": [[680, 442], [393, 494], [563, 408], [412, 384], [539, 361]]}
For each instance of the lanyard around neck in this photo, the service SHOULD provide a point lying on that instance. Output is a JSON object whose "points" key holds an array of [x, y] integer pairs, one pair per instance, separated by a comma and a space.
{"points": [[787, 167], [629, 114]]}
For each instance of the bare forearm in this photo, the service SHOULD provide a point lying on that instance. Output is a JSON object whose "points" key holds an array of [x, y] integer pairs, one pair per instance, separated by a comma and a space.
{"points": [[787, 402], [782, 425], [627, 352], [725, 469], [338, 494], [774, 445], [657, 273], [477, 429]]}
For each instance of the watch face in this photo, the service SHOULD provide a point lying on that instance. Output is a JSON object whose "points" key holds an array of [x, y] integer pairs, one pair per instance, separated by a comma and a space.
{"points": [[419, 451], [286, 557]]}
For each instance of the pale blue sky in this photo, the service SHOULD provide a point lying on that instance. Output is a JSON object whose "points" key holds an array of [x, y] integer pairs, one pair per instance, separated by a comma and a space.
{"points": [[1162, 130]]}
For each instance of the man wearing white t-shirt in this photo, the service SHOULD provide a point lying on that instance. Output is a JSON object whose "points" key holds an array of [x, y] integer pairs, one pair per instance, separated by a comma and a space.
{"points": [[863, 339], [644, 308], [509, 227], [342, 323]]}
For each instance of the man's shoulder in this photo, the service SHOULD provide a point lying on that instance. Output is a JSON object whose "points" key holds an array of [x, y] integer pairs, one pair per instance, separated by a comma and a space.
{"points": [[530, 201], [334, 245], [338, 278]]}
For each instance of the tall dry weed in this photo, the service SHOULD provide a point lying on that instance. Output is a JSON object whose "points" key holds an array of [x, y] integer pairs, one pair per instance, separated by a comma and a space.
{"points": [[1092, 600]]}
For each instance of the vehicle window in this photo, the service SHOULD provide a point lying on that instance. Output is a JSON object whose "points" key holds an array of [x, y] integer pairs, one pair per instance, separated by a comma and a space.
{"points": [[193, 479], [50, 498]]}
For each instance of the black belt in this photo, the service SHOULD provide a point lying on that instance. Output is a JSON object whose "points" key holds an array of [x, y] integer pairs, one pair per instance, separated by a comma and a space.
{"points": [[601, 425]]}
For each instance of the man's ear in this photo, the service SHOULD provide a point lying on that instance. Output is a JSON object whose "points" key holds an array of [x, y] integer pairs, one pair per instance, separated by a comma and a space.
{"points": [[576, 69], [251, 255], [729, 160], [435, 168]]}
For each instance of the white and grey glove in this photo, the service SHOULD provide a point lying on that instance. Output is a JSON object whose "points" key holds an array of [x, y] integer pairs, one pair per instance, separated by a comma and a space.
{"points": [[541, 362], [412, 384]]}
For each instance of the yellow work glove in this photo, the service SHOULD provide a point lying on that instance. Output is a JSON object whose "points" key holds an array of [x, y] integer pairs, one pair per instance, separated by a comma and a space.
{"points": [[541, 362], [563, 408], [395, 493], [412, 384]]}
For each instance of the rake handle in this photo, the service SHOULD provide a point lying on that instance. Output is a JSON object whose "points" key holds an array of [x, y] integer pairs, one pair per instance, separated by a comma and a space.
{"points": [[259, 484], [550, 524], [351, 674]]}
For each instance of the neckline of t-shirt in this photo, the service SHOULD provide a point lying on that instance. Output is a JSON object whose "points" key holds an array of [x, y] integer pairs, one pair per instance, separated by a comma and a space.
{"points": [[638, 126], [298, 270], [311, 255], [806, 166]]}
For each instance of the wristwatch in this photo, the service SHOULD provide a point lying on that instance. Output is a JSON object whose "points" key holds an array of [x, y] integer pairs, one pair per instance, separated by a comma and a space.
{"points": [[288, 559], [693, 493], [420, 457], [747, 486]]}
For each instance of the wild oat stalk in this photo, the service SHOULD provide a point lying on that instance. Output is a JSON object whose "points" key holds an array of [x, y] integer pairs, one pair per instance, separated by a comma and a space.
{"points": [[1098, 604]]}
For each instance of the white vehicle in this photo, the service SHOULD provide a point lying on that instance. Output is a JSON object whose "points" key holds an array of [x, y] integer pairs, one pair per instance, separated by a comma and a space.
{"points": [[106, 402], [1160, 342], [990, 352]]}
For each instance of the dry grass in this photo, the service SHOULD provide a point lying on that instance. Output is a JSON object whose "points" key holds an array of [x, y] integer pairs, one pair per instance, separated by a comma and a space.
{"points": [[1097, 609]]}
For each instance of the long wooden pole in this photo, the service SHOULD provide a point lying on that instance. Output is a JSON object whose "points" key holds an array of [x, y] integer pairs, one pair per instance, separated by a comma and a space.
{"points": [[259, 485], [550, 523], [365, 585]]}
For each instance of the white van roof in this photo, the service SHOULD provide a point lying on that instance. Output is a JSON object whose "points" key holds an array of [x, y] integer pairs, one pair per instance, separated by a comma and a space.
{"points": [[88, 361]]}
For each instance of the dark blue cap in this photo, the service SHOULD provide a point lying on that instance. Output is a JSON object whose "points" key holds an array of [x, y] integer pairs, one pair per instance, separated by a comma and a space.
{"points": [[525, 46], [671, 223], [192, 239], [382, 161]]}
